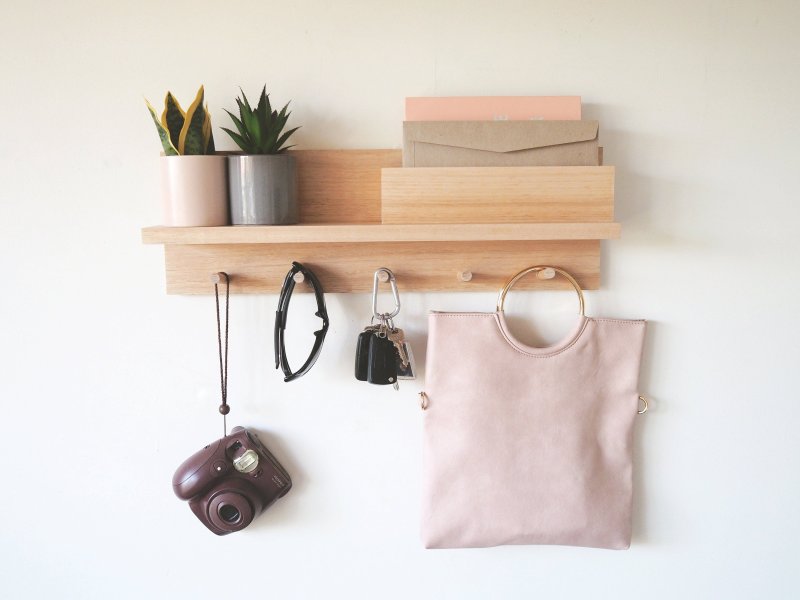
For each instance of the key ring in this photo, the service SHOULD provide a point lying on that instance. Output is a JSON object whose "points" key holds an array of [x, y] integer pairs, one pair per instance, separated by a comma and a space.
{"points": [[395, 294], [382, 326]]}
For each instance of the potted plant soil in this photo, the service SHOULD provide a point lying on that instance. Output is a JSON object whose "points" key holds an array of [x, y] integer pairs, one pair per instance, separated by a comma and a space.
{"points": [[262, 182], [193, 177]]}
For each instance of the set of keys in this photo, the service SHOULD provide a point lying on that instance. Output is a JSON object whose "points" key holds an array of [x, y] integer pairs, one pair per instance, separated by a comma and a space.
{"points": [[383, 356]]}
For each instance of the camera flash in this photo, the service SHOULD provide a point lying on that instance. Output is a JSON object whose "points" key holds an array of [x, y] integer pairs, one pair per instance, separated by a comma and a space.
{"points": [[247, 462]]}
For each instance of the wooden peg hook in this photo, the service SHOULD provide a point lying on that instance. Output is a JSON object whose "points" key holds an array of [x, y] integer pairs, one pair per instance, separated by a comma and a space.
{"points": [[219, 277], [546, 274], [465, 275]]}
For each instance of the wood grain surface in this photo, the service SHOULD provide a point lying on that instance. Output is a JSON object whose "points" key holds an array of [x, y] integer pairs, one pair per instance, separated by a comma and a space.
{"points": [[497, 195]]}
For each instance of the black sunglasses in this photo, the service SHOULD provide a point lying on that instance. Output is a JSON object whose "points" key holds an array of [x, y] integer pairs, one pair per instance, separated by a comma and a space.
{"points": [[280, 321]]}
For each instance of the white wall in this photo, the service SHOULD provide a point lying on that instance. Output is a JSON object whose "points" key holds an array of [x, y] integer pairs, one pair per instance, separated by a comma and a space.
{"points": [[108, 384]]}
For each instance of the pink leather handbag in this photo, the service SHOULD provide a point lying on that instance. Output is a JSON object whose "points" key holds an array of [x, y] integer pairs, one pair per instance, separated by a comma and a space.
{"points": [[528, 445]]}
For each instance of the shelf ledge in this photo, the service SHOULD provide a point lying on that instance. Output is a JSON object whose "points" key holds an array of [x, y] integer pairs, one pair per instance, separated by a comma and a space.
{"points": [[334, 234]]}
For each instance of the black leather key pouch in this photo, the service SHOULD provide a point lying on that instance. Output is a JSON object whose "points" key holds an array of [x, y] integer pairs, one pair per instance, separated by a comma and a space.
{"points": [[382, 363], [362, 354]]}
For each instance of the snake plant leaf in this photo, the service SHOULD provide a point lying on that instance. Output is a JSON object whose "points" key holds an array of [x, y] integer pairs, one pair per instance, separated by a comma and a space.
{"points": [[172, 118], [211, 148], [163, 134], [191, 138], [208, 134]]}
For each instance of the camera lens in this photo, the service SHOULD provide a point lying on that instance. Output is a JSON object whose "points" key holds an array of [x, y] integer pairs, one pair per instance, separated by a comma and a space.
{"points": [[232, 509], [229, 513]]}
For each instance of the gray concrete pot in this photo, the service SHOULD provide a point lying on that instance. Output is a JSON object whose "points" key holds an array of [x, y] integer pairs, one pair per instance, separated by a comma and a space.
{"points": [[263, 189]]}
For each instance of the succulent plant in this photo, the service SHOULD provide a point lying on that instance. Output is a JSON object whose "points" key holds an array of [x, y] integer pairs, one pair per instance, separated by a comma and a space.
{"points": [[260, 130], [184, 132]]}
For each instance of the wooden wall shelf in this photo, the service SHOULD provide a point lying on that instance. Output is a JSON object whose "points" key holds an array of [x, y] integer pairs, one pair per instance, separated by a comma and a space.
{"points": [[342, 239]]}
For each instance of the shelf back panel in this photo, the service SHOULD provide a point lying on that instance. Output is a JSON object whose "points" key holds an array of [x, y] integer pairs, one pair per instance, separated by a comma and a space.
{"points": [[349, 267], [342, 186]]}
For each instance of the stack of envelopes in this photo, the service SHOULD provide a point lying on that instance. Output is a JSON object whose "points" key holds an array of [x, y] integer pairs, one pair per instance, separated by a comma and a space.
{"points": [[499, 131]]}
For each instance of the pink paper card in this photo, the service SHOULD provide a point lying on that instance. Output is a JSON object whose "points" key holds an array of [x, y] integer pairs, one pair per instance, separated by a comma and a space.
{"points": [[494, 108]]}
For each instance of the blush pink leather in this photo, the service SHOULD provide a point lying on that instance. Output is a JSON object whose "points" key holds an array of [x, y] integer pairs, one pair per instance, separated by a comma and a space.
{"points": [[528, 445], [494, 108]]}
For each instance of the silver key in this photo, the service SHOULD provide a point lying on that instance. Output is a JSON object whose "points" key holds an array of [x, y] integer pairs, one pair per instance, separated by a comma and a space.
{"points": [[397, 337], [408, 371]]}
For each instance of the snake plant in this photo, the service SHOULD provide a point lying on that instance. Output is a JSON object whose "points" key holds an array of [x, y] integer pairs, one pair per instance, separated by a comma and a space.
{"points": [[184, 132], [260, 130]]}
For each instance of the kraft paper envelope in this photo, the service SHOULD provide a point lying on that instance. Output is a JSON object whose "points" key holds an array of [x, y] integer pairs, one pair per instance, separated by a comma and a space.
{"points": [[500, 143], [493, 108]]}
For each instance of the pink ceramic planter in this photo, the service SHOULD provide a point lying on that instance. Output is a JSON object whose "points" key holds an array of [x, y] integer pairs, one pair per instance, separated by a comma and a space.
{"points": [[194, 190]]}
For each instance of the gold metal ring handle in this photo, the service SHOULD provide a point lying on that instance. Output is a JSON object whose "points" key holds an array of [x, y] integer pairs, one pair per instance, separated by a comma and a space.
{"points": [[645, 406], [507, 287]]}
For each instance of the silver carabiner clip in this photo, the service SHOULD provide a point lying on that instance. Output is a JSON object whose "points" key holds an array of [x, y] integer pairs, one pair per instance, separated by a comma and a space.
{"points": [[393, 283]]}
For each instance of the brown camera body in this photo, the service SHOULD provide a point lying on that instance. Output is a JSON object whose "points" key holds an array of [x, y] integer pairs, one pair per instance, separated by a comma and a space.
{"points": [[231, 481]]}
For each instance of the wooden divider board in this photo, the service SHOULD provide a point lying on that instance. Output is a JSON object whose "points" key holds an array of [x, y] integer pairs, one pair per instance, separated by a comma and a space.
{"points": [[349, 267], [497, 194], [342, 186]]}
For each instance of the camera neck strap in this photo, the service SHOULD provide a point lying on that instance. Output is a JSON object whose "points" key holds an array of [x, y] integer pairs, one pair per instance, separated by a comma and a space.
{"points": [[224, 409]]}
